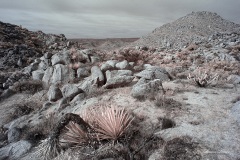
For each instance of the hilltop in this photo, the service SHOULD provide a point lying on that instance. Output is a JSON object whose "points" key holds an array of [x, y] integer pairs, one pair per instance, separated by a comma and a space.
{"points": [[196, 27]]}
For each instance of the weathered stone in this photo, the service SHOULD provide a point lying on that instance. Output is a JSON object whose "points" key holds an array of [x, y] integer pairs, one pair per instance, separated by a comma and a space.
{"points": [[31, 67], [112, 63], [14, 134], [94, 59], [37, 75], [123, 65], [48, 55], [43, 64], [106, 67], [15, 150], [235, 79], [71, 90], [61, 58], [78, 98], [54, 93], [118, 81], [82, 72], [154, 72], [115, 73], [62, 74], [144, 88], [97, 75], [47, 75]]}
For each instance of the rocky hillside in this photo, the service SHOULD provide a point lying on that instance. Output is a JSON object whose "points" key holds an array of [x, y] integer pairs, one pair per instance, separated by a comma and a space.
{"points": [[19, 47], [142, 102], [197, 28]]}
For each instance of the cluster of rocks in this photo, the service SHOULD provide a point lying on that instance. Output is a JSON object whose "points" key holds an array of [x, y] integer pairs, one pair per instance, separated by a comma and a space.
{"points": [[19, 47]]}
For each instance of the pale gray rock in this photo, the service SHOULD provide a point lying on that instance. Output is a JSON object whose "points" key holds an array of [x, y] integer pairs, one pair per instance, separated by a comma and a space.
{"points": [[118, 81], [48, 55], [78, 98], [87, 85], [106, 67], [97, 75], [94, 59], [54, 93], [14, 151], [37, 75], [112, 63], [44, 64], [62, 74], [82, 72], [154, 72], [123, 65], [48, 75], [144, 88], [116, 73], [61, 58], [235, 79], [14, 134], [71, 90]]}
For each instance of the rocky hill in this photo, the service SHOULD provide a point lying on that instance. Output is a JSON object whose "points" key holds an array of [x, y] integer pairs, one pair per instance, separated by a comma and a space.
{"points": [[60, 100], [197, 27], [19, 47]]}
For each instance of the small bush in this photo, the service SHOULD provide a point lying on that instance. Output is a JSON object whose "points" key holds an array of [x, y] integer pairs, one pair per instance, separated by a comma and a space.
{"points": [[203, 79], [30, 86]]}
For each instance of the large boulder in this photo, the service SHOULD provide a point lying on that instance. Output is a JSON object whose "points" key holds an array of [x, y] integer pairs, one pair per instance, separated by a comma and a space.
{"points": [[143, 88], [109, 65], [118, 81], [58, 74], [117, 73], [154, 72], [37, 75], [15, 150], [54, 93], [82, 72], [97, 76], [118, 78], [14, 134], [61, 58], [62, 74], [123, 65], [48, 75], [71, 90]]}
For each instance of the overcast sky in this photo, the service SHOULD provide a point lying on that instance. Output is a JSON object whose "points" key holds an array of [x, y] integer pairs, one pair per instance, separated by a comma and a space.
{"points": [[107, 18]]}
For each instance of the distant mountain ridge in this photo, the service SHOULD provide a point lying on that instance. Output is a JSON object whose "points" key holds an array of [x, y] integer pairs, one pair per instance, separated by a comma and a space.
{"points": [[195, 27]]}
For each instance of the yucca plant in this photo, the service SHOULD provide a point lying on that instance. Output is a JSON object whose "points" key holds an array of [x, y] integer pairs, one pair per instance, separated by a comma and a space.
{"points": [[111, 122], [74, 134]]}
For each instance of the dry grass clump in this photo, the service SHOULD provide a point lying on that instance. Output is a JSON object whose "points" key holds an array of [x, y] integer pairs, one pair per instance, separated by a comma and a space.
{"points": [[40, 131], [203, 79], [30, 86], [182, 149], [161, 100]]}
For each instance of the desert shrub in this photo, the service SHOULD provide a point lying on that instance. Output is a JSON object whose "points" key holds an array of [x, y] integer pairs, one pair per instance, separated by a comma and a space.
{"points": [[161, 100], [19, 110], [41, 130], [203, 79], [182, 149], [30, 86]]}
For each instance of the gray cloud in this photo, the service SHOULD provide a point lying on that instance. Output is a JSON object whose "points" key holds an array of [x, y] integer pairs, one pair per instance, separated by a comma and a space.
{"points": [[107, 18]]}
